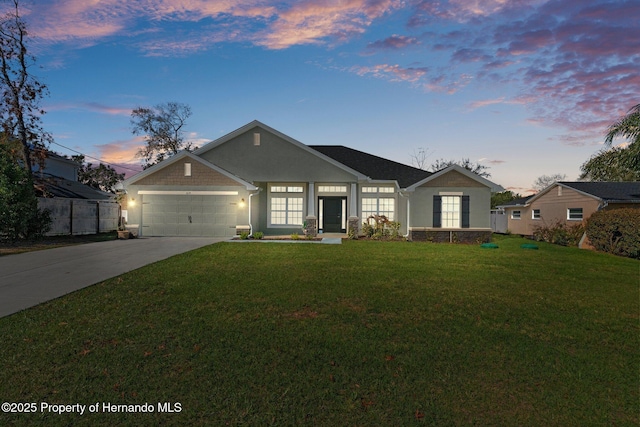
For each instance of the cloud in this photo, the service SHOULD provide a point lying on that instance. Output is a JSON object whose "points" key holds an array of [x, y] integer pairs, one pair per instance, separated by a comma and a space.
{"points": [[392, 72], [312, 21], [272, 24], [393, 42], [575, 64], [420, 77], [121, 152], [94, 107], [491, 162]]}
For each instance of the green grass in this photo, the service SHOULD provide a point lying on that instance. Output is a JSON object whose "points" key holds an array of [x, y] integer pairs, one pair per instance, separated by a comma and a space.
{"points": [[365, 333]]}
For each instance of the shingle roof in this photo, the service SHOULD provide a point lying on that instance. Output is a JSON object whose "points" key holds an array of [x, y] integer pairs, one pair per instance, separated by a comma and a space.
{"points": [[626, 192], [60, 187], [373, 166], [522, 201]]}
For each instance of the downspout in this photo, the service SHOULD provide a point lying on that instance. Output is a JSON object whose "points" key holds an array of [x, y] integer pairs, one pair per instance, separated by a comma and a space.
{"points": [[251, 225], [406, 236]]}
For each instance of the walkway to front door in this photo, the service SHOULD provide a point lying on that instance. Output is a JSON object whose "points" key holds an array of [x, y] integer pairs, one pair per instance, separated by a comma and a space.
{"points": [[333, 214]]}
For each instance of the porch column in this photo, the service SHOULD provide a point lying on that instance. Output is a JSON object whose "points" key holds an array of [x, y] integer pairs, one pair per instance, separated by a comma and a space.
{"points": [[353, 206], [353, 225], [311, 210], [311, 220]]}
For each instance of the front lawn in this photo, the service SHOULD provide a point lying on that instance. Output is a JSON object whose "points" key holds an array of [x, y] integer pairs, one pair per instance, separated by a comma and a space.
{"points": [[363, 333]]}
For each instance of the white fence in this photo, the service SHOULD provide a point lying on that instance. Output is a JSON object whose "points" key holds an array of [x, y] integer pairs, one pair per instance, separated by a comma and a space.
{"points": [[80, 216], [499, 222]]}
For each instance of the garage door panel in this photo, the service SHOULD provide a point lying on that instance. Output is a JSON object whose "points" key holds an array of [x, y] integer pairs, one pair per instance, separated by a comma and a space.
{"points": [[188, 215]]}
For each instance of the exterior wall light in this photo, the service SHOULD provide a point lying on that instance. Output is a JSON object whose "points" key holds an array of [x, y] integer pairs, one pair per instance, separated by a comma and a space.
{"points": [[132, 202], [241, 204]]}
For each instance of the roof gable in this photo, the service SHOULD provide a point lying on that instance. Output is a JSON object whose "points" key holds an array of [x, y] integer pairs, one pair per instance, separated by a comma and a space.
{"points": [[169, 164], [435, 178], [608, 191], [611, 192], [256, 124], [372, 166]]}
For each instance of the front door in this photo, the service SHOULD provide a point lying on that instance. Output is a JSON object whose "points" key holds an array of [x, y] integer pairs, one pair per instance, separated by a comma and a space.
{"points": [[332, 214]]}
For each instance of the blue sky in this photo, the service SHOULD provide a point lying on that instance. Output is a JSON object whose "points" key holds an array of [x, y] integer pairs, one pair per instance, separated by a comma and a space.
{"points": [[525, 87]]}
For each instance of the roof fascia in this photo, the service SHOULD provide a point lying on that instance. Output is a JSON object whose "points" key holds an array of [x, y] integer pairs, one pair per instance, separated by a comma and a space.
{"points": [[213, 144], [492, 185]]}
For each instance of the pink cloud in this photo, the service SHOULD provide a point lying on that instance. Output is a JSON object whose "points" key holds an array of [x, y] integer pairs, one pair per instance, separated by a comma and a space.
{"points": [[575, 64], [311, 21], [121, 152]]}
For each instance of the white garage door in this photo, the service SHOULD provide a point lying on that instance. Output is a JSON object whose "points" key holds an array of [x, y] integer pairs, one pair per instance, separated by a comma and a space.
{"points": [[189, 215]]}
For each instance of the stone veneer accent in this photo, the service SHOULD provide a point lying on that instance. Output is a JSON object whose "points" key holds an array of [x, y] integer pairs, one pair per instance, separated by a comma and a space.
{"points": [[354, 224], [312, 226], [451, 236], [174, 175]]}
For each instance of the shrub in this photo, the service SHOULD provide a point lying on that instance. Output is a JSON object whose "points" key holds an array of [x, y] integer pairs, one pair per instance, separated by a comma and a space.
{"points": [[20, 217], [244, 235], [258, 235], [295, 236], [560, 234], [616, 231]]}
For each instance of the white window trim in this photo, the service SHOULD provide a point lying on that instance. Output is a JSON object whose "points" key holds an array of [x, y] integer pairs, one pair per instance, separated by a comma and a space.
{"points": [[332, 188], [286, 191], [519, 215], [533, 214], [377, 198], [442, 211], [575, 219]]}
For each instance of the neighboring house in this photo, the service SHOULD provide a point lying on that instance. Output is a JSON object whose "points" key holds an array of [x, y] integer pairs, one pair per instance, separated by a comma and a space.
{"points": [[259, 179], [74, 208], [59, 178], [58, 166], [568, 203]]}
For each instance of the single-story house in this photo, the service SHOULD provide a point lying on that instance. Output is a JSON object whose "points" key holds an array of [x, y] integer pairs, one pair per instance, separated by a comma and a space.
{"points": [[259, 179], [568, 203]]}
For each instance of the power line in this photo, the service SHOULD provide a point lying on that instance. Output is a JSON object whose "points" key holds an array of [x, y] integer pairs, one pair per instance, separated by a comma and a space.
{"points": [[95, 158]]}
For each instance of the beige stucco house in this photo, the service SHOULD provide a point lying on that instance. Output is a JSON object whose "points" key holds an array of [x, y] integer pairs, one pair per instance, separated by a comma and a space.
{"points": [[568, 203], [259, 179]]}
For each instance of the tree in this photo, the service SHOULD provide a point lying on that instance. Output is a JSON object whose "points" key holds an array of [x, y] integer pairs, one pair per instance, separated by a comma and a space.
{"points": [[616, 164], [101, 177], [477, 168], [162, 127], [21, 91], [419, 158], [503, 197], [627, 126], [20, 217], [544, 181]]}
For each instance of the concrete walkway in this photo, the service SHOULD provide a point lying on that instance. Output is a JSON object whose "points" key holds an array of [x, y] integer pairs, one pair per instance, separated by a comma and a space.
{"points": [[32, 278]]}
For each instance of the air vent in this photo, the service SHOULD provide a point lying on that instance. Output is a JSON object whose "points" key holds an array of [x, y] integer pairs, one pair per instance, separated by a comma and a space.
{"points": [[256, 139]]}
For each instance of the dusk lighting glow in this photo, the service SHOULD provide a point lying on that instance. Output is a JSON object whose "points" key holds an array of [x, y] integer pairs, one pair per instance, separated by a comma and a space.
{"points": [[526, 87]]}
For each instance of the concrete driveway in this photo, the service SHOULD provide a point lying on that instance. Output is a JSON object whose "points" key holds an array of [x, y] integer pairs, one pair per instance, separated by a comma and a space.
{"points": [[32, 278]]}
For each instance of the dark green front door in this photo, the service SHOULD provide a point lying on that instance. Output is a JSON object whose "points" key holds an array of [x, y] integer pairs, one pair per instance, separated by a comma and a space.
{"points": [[332, 214]]}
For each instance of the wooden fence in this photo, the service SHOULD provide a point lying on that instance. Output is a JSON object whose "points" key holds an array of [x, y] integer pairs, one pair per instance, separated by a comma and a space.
{"points": [[80, 216]]}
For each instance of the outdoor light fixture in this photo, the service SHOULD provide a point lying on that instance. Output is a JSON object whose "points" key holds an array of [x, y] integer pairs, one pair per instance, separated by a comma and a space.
{"points": [[131, 202], [241, 204]]}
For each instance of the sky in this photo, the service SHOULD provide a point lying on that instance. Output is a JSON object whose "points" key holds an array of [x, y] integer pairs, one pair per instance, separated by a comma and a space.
{"points": [[524, 87]]}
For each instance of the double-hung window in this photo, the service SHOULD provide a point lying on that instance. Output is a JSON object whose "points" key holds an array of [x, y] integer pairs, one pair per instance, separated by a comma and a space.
{"points": [[287, 205], [535, 214], [451, 211]]}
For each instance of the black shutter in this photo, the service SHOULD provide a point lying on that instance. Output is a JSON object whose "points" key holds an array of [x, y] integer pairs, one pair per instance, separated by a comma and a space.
{"points": [[437, 211], [465, 211]]}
